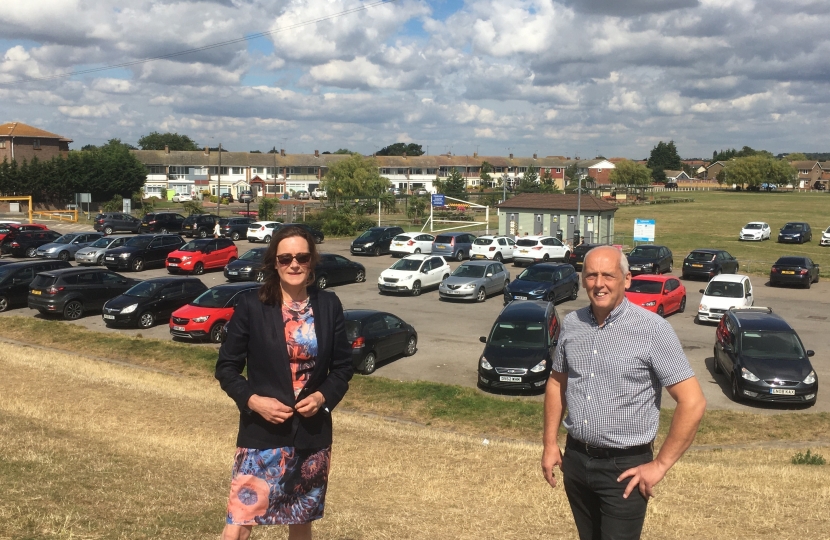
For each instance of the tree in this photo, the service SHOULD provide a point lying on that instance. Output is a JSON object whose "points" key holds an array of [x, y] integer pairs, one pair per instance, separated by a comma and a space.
{"points": [[174, 141], [628, 173], [663, 157], [454, 186], [484, 175], [273, 150], [796, 156], [572, 173], [528, 183], [399, 149], [547, 184], [354, 177], [658, 175], [266, 207], [343, 151], [753, 171], [721, 176], [746, 151], [255, 152]]}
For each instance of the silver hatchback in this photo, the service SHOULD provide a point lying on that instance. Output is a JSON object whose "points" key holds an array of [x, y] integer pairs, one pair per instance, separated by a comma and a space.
{"points": [[475, 280], [93, 254]]}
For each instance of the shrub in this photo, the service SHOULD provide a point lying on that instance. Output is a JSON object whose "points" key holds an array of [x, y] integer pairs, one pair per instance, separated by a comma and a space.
{"points": [[266, 207], [808, 459]]}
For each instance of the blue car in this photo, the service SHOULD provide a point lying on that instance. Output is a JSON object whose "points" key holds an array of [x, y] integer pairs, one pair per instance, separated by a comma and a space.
{"points": [[545, 281]]}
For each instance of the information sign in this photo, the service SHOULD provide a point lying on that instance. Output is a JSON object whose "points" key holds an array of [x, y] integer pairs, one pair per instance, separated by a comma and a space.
{"points": [[644, 230], [438, 199]]}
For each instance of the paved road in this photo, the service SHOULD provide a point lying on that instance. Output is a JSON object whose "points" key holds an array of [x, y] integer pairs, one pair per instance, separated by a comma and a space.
{"points": [[449, 349]]}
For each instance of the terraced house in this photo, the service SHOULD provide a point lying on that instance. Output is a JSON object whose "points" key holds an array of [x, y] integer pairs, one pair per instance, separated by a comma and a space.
{"points": [[20, 142]]}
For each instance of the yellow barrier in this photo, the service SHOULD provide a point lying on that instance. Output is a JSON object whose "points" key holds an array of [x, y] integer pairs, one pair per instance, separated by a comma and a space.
{"points": [[27, 199], [59, 215]]}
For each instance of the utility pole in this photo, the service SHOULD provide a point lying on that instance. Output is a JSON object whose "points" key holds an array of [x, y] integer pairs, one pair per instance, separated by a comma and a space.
{"points": [[219, 182], [577, 232]]}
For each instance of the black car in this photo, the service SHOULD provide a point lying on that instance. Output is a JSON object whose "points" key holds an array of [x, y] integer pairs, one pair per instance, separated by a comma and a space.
{"points": [[707, 263], [764, 358], [650, 259], [161, 222], [15, 278], [200, 225], [796, 232], [151, 301], [794, 271], [25, 244], [376, 336], [234, 227], [74, 291], [248, 267], [315, 233], [578, 255], [374, 241], [518, 352], [111, 222], [551, 282], [142, 251], [334, 269]]}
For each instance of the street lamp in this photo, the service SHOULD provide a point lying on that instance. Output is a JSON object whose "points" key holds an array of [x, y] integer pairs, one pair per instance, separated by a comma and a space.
{"points": [[219, 182], [578, 210]]}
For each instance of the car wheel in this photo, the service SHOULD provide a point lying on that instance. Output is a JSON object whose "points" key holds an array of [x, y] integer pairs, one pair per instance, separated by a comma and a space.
{"points": [[202, 233], [267, 239], [808, 284], [567, 256], [63, 256], [416, 288], [163, 230], [735, 392], [318, 240], [234, 236], [482, 295], [369, 364], [545, 258], [107, 230], [4, 303], [322, 281], [459, 256], [411, 346], [817, 278], [497, 257], [360, 277], [146, 320], [417, 251], [260, 277], [660, 312], [73, 310], [31, 252], [575, 292], [198, 269], [715, 364], [216, 332], [100, 260], [671, 267], [682, 305], [684, 276], [376, 251], [138, 264]]}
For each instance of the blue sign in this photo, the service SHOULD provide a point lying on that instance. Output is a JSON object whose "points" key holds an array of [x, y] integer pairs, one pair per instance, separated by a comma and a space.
{"points": [[644, 230], [438, 200]]}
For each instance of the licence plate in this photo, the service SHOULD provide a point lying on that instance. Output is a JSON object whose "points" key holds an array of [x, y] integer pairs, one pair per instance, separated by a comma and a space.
{"points": [[697, 265], [522, 251], [172, 264], [357, 249], [109, 317], [520, 298], [787, 271], [478, 257], [233, 273], [178, 328], [782, 392], [510, 379], [398, 244], [187, 226], [440, 246], [110, 258], [453, 292], [38, 293]]}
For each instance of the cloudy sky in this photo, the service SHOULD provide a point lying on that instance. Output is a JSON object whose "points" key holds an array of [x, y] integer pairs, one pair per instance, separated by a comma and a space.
{"points": [[571, 77]]}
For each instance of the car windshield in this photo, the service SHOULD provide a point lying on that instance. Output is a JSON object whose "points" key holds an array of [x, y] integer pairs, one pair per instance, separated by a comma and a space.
{"points": [[753, 226], [195, 245], [534, 273], [777, 345], [526, 242], [367, 235], [145, 289], [410, 265], [645, 286], [826, 230], [102, 242], [725, 289], [793, 227], [645, 252], [470, 271], [701, 256], [215, 298], [252, 255], [483, 241], [65, 239], [139, 241], [523, 335]]}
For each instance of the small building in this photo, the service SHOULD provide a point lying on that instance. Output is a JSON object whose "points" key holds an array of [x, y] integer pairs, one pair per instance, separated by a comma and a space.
{"points": [[551, 214], [21, 142]]}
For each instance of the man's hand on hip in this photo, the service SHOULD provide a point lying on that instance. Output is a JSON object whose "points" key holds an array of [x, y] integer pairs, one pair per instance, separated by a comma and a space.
{"points": [[644, 477], [551, 457]]}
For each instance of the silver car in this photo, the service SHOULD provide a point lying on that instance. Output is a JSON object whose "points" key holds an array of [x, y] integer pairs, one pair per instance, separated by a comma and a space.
{"points": [[475, 280], [93, 254], [64, 248]]}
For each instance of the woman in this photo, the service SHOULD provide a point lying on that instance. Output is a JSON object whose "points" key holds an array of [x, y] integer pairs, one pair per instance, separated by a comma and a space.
{"points": [[217, 231], [292, 338]]}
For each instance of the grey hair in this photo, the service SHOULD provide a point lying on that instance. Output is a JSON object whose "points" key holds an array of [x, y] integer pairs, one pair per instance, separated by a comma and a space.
{"points": [[623, 259]]}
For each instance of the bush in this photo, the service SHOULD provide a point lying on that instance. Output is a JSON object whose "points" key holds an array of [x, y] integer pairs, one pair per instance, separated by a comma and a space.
{"points": [[363, 223], [338, 226], [808, 459], [193, 207], [116, 204], [266, 208]]}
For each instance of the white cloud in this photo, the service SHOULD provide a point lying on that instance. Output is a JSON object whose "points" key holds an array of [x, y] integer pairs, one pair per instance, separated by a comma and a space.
{"points": [[102, 110]]}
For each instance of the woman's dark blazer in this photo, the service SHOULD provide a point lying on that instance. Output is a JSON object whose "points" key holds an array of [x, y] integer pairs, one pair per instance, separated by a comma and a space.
{"points": [[256, 337]]}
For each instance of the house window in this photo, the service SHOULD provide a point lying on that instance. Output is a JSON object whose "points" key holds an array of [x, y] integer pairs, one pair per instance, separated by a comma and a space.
{"points": [[156, 169], [432, 171], [238, 170], [2, 144], [272, 189], [36, 144], [254, 170], [558, 171], [179, 170]]}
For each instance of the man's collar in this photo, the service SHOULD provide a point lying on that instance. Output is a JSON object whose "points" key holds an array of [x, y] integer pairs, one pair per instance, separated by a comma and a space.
{"points": [[614, 315]]}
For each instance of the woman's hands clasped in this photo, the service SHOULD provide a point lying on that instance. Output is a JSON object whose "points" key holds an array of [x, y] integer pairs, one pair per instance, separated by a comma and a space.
{"points": [[276, 412]]}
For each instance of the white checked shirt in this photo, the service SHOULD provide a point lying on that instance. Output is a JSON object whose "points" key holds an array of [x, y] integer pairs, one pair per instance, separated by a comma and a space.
{"points": [[616, 373]]}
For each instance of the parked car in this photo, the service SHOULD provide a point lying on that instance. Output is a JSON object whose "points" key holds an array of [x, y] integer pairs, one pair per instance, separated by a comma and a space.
{"points": [[248, 267], [302, 195], [93, 254], [161, 222], [335, 269], [650, 259], [662, 295], [825, 237], [795, 232], [707, 263], [454, 245], [577, 257], [534, 249], [111, 222], [204, 317], [200, 225], [497, 248], [25, 244], [755, 230], [318, 194], [374, 241], [234, 227], [246, 196], [792, 270], [15, 278], [722, 293], [75, 291], [182, 197], [142, 251], [151, 301], [65, 247], [518, 352], [376, 336], [261, 231], [764, 358], [227, 195], [315, 233], [413, 273], [551, 282], [408, 243], [201, 254], [821, 186], [671, 185], [475, 280], [10, 229]]}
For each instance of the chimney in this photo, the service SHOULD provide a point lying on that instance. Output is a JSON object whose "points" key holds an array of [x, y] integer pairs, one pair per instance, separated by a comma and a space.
{"points": [[534, 156], [166, 149], [475, 154], [511, 156], [404, 155], [207, 150], [282, 152], [316, 153]]}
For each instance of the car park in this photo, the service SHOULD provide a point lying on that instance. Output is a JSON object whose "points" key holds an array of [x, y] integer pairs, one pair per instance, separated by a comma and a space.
{"points": [[72, 292], [551, 282], [25, 243], [707, 263], [261, 231], [93, 254], [794, 270], [248, 267], [142, 251], [335, 269], [15, 278], [413, 273], [755, 230], [764, 358], [161, 222], [578, 255], [796, 232], [151, 301], [454, 245], [825, 237], [724, 292], [408, 243], [518, 351], [650, 259], [182, 197], [65, 247], [234, 227], [475, 280], [662, 295], [201, 254], [497, 248], [374, 241], [203, 318], [112, 222], [376, 336], [200, 225], [535, 249]]}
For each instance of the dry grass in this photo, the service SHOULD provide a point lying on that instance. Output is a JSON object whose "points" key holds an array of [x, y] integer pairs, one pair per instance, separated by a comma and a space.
{"points": [[93, 450]]}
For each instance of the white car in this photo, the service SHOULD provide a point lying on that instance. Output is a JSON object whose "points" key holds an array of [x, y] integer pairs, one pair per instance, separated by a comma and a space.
{"points": [[825, 238], [755, 230], [414, 273], [318, 194], [408, 243], [261, 231], [723, 292], [533, 249], [182, 197], [497, 248]]}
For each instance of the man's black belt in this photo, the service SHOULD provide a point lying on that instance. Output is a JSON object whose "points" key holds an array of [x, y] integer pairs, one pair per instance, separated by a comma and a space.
{"points": [[606, 453]]}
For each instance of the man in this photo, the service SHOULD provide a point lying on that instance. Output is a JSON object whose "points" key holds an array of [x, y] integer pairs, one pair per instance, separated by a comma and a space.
{"points": [[611, 363]]}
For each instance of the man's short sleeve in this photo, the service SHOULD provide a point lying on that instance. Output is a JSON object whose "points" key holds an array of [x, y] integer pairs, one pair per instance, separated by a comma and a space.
{"points": [[668, 360], [559, 362]]}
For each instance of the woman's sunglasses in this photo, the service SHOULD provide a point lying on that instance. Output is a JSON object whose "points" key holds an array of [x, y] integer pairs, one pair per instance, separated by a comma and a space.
{"points": [[286, 258]]}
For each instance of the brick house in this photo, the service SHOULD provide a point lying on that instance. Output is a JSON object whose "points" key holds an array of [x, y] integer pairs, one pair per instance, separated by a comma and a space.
{"points": [[21, 142], [554, 214]]}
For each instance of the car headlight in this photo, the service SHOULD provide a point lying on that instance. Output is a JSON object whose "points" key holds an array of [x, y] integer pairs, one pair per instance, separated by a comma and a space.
{"points": [[125, 255], [810, 379], [201, 319], [748, 375], [539, 291], [650, 304], [186, 258], [469, 286], [702, 307], [247, 269], [539, 367], [485, 364], [369, 244], [129, 309]]}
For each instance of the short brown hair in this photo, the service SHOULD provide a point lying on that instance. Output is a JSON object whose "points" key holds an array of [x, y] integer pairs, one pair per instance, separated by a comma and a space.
{"points": [[271, 293]]}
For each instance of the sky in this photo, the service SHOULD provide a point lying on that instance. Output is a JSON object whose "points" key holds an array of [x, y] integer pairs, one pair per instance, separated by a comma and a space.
{"points": [[566, 78]]}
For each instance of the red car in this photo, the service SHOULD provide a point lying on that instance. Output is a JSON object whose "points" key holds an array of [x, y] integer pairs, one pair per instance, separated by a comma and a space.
{"points": [[660, 294], [203, 254], [11, 229], [204, 317]]}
